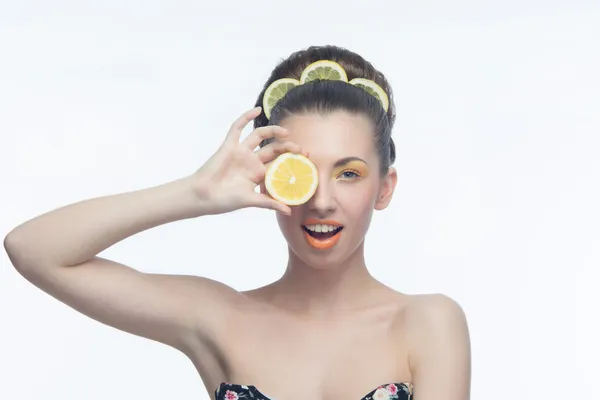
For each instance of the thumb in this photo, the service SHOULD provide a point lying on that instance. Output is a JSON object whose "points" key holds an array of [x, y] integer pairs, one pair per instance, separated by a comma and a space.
{"points": [[264, 201]]}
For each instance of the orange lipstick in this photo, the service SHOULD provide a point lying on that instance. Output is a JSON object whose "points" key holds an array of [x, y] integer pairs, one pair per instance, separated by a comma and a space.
{"points": [[322, 234]]}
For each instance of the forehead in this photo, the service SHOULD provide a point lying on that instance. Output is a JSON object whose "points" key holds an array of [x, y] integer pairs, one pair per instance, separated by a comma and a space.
{"points": [[332, 136]]}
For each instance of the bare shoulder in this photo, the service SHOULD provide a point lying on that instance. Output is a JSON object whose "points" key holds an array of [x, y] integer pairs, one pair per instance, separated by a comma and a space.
{"points": [[434, 311], [439, 347], [435, 319]]}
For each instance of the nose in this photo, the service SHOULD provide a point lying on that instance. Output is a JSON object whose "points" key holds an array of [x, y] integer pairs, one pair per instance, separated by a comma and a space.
{"points": [[323, 201]]}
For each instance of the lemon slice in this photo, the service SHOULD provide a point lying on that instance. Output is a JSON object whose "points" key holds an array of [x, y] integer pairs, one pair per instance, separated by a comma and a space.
{"points": [[275, 92], [291, 179], [323, 69], [373, 89]]}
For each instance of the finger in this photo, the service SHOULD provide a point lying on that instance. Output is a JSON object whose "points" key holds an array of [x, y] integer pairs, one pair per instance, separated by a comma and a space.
{"points": [[239, 124], [264, 132], [264, 201], [273, 150]]}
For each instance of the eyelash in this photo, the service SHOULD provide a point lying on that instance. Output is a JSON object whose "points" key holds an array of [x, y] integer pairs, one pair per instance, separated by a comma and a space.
{"points": [[356, 173]]}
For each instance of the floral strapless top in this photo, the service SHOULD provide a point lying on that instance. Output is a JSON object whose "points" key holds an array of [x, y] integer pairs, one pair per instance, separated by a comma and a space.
{"points": [[390, 391]]}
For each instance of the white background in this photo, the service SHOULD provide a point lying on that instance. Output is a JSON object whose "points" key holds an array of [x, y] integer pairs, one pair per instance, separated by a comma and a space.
{"points": [[498, 135]]}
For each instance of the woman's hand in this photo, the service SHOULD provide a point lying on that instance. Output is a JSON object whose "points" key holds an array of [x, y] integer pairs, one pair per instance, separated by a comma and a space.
{"points": [[228, 180]]}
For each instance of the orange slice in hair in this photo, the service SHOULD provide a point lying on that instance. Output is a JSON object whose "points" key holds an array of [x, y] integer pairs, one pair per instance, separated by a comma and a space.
{"points": [[373, 89], [325, 70], [291, 179], [275, 92]]}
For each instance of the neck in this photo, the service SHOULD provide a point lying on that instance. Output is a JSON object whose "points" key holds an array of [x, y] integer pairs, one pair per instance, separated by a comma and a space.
{"points": [[307, 290]]}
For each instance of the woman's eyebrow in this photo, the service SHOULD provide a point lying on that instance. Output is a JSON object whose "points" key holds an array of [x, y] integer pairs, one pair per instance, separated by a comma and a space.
{"points": [[346, 160]]}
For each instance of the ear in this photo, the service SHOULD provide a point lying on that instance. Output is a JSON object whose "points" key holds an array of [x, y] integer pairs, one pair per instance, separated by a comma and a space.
{"points": [[386, 189]]}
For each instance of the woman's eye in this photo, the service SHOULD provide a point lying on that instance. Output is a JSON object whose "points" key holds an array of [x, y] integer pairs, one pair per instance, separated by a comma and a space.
{"points": [[349, 175]]}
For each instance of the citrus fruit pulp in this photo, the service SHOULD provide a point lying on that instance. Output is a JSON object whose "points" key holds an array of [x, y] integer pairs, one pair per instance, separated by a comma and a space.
{"points": [[323, 69], [291, 179]]}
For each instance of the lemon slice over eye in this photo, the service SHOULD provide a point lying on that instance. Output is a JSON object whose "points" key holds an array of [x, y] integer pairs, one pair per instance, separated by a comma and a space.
{"points": [[373, 89], [323, 69], [291, 179], [275, 92]]}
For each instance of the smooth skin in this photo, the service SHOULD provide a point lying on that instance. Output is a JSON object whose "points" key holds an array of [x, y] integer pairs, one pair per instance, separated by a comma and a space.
{"points": [[326, 330]]}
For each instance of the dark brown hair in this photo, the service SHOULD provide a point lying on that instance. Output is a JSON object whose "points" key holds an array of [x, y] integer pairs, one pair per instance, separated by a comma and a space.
{"points": [[328, 96]]}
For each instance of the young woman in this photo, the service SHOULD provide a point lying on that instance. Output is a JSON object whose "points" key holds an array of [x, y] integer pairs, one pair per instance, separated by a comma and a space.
{"points": [[326, 329]]}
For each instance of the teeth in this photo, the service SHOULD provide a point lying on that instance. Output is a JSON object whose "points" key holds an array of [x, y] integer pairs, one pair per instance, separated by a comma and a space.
{"points": [[321, 228]]}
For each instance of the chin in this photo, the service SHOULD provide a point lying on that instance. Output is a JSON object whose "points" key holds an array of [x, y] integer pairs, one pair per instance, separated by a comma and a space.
{"points": [[319, 259]]}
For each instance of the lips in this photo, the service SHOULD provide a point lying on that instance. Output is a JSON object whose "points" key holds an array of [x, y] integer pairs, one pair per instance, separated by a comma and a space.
{"points": [[322, 234]]}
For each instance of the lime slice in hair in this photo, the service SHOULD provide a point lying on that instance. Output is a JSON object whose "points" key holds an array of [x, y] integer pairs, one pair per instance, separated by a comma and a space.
{"points": [[324, 70], [373, 89], [275, 92]]}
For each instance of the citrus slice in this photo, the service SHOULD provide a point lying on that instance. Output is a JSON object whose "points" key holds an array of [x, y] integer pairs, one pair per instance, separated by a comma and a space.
{"points": [[275, 92], [291, 179], [373, 89], [323, 69]]}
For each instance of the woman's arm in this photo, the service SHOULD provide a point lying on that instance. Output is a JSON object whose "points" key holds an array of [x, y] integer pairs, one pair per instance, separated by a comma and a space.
{"points": [[440, 350], [57, 252]]}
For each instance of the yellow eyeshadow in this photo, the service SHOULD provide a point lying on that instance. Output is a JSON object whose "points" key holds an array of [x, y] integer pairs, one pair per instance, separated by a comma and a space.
{"points": [[357, 166]]}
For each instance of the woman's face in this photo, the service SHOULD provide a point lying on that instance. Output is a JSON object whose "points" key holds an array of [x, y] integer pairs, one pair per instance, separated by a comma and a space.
{"points": [[327, 229]]}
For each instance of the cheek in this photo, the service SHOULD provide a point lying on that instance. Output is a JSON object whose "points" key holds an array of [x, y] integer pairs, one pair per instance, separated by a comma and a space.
{"points": [[288, 225], [358, 201]]}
